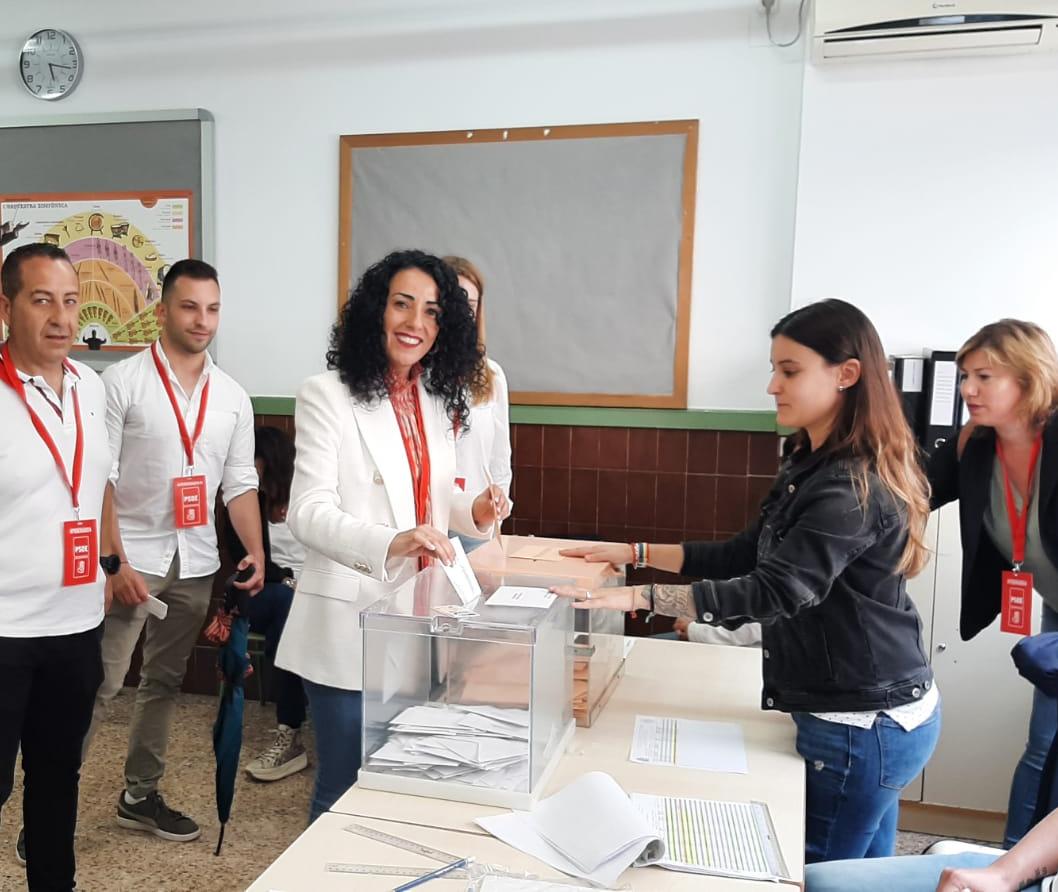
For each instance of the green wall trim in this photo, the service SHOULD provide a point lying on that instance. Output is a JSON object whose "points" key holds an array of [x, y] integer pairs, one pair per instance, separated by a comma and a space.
{"points": [[273, 405], [679, 419], [590, 416]]}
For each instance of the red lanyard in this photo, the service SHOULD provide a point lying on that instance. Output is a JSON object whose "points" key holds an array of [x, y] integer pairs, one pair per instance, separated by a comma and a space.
{"points": [[188, 441], [10, 375], [1019, 523], [422, 492], [421, 481]]}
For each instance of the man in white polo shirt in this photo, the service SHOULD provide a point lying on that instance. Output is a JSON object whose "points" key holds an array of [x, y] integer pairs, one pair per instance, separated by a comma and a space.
{"points": [[54, 463], [180, 429]]}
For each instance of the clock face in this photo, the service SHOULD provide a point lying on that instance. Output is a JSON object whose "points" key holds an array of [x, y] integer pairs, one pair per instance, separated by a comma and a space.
{"points": [[50, 64]]}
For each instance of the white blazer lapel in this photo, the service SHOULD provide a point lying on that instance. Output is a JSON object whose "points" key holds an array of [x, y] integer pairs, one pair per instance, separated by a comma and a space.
{"points": [[378, 426]]}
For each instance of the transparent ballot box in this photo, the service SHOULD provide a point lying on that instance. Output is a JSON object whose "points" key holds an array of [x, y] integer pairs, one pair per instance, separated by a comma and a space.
{"points": [[475, 708], [599, 653]]}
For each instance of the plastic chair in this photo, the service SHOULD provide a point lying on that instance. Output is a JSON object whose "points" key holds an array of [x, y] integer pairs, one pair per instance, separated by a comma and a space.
{"points": [[958, 847]]}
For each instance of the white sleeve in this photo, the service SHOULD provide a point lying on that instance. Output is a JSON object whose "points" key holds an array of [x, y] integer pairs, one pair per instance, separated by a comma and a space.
{"points": [[316, 515], [500, 460], [744, 636], [117, 397], [240, 472]]}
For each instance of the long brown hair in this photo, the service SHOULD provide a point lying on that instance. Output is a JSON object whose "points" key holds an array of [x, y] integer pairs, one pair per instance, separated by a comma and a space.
{"points": [[274, 447], [870, 425], [481, 387]]}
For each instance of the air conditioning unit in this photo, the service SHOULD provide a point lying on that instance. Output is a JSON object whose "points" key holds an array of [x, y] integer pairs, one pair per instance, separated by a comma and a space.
{"points": [[844, 30]]}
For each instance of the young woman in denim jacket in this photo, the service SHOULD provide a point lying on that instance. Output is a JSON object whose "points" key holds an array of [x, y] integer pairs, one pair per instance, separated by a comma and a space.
{"points": [[1010, 385], [823, 569]]}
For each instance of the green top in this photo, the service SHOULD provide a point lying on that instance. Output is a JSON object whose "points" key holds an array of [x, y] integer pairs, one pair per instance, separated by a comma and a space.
{"points": [[997, 523]]}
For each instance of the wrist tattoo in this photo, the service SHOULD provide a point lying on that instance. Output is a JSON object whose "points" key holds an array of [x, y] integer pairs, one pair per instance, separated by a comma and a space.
{"points": [[674, 600]]}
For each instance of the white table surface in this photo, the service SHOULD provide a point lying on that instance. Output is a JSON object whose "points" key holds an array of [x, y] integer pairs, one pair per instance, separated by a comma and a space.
{"points": [[662, 678]]}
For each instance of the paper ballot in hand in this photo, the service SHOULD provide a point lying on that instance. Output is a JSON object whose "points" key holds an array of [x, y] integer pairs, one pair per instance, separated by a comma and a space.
{"points": [[564, 830], [461, 575]]}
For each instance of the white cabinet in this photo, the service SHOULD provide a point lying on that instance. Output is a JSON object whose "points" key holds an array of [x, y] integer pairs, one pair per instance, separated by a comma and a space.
{"points": [[986, 703]]}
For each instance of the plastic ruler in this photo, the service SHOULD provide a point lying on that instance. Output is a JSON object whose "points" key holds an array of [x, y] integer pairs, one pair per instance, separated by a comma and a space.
{"points": [[388, 870], [425, 851], [399, 842]]}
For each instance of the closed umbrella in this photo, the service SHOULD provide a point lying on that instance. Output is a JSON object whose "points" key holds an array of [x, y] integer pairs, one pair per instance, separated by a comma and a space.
{"points": [[230, 628]]}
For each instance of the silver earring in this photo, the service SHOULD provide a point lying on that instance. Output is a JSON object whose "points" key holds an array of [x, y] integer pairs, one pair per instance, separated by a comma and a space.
{"points": [[841, 387]]}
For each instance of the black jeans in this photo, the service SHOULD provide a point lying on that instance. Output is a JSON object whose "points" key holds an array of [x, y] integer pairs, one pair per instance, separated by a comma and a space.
{"points": [[47, 690], [268, 614]]}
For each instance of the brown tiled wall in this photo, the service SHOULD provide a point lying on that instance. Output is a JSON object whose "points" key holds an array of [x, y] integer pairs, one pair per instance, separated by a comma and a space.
{"points": [[630, 484], [622, 484]]}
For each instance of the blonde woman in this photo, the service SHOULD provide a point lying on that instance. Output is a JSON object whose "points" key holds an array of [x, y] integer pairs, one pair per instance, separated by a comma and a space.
{"points": [[1010, 385], [823, 569], [483, 448]]}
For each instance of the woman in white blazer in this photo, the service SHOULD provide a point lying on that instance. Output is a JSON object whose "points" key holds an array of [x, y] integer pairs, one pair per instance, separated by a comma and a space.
{"points": [[374, 482], [483, 451]]}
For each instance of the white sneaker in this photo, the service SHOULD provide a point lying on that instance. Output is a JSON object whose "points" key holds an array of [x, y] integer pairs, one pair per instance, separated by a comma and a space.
{"points": [[284, 757]]}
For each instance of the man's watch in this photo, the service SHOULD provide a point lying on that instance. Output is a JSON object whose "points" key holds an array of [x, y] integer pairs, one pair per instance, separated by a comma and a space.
{"points": [[111, 564]]}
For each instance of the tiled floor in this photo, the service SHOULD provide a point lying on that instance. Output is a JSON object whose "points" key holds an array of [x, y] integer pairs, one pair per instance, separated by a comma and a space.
{"points": [[265, 818]]}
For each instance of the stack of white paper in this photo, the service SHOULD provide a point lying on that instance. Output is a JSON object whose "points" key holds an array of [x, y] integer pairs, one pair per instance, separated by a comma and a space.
{"points": [[567, 832], [734, 839], [482, 745]]}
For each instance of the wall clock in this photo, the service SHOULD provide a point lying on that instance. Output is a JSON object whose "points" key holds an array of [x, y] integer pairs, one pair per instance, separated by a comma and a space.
{"points": [[50, 64]]}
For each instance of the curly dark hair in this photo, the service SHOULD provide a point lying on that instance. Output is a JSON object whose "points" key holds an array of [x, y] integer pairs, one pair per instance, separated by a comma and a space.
{"points": [[357, 349]]}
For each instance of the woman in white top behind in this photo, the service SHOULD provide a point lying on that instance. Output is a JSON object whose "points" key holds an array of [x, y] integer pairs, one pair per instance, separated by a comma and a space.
{"points": [[483, 450], [374, 483]]}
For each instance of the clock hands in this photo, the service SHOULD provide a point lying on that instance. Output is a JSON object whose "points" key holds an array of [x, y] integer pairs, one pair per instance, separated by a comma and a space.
{"points": [[53, 65]]}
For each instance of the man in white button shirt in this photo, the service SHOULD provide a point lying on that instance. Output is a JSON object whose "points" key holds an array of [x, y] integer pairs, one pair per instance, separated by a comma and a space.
{"points": [[180, 428], [54, 462]]}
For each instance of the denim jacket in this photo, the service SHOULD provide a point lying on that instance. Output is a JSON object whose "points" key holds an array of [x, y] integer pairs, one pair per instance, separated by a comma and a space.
{"points": [[818, 570]]}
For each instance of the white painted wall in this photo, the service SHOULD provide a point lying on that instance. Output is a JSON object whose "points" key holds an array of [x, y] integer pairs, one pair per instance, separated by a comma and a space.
{"points": [[928, 194], [285, 80]]}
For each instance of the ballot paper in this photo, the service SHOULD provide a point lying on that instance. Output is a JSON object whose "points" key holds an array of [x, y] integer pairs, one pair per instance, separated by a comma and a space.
{"points": [[564, 830], [155, 607], [732, 839], [686, 743], [482, 745], [531, 551], [521, 596], [461, 574]]}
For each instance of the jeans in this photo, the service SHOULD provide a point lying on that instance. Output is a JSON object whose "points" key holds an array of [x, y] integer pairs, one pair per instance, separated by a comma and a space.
{"points": [[167, 644], [907, 873], [268, 614], [1043, 725], [337, 717], [49, 686], [854, 779]]}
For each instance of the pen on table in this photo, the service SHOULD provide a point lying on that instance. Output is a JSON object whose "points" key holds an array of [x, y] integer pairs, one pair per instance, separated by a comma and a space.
{"points": [[496, 534], [434, 874]]}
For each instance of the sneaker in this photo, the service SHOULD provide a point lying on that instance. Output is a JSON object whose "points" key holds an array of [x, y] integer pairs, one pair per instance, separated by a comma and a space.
{"points": [[154, 816], [20, 846], [284, 757]]}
